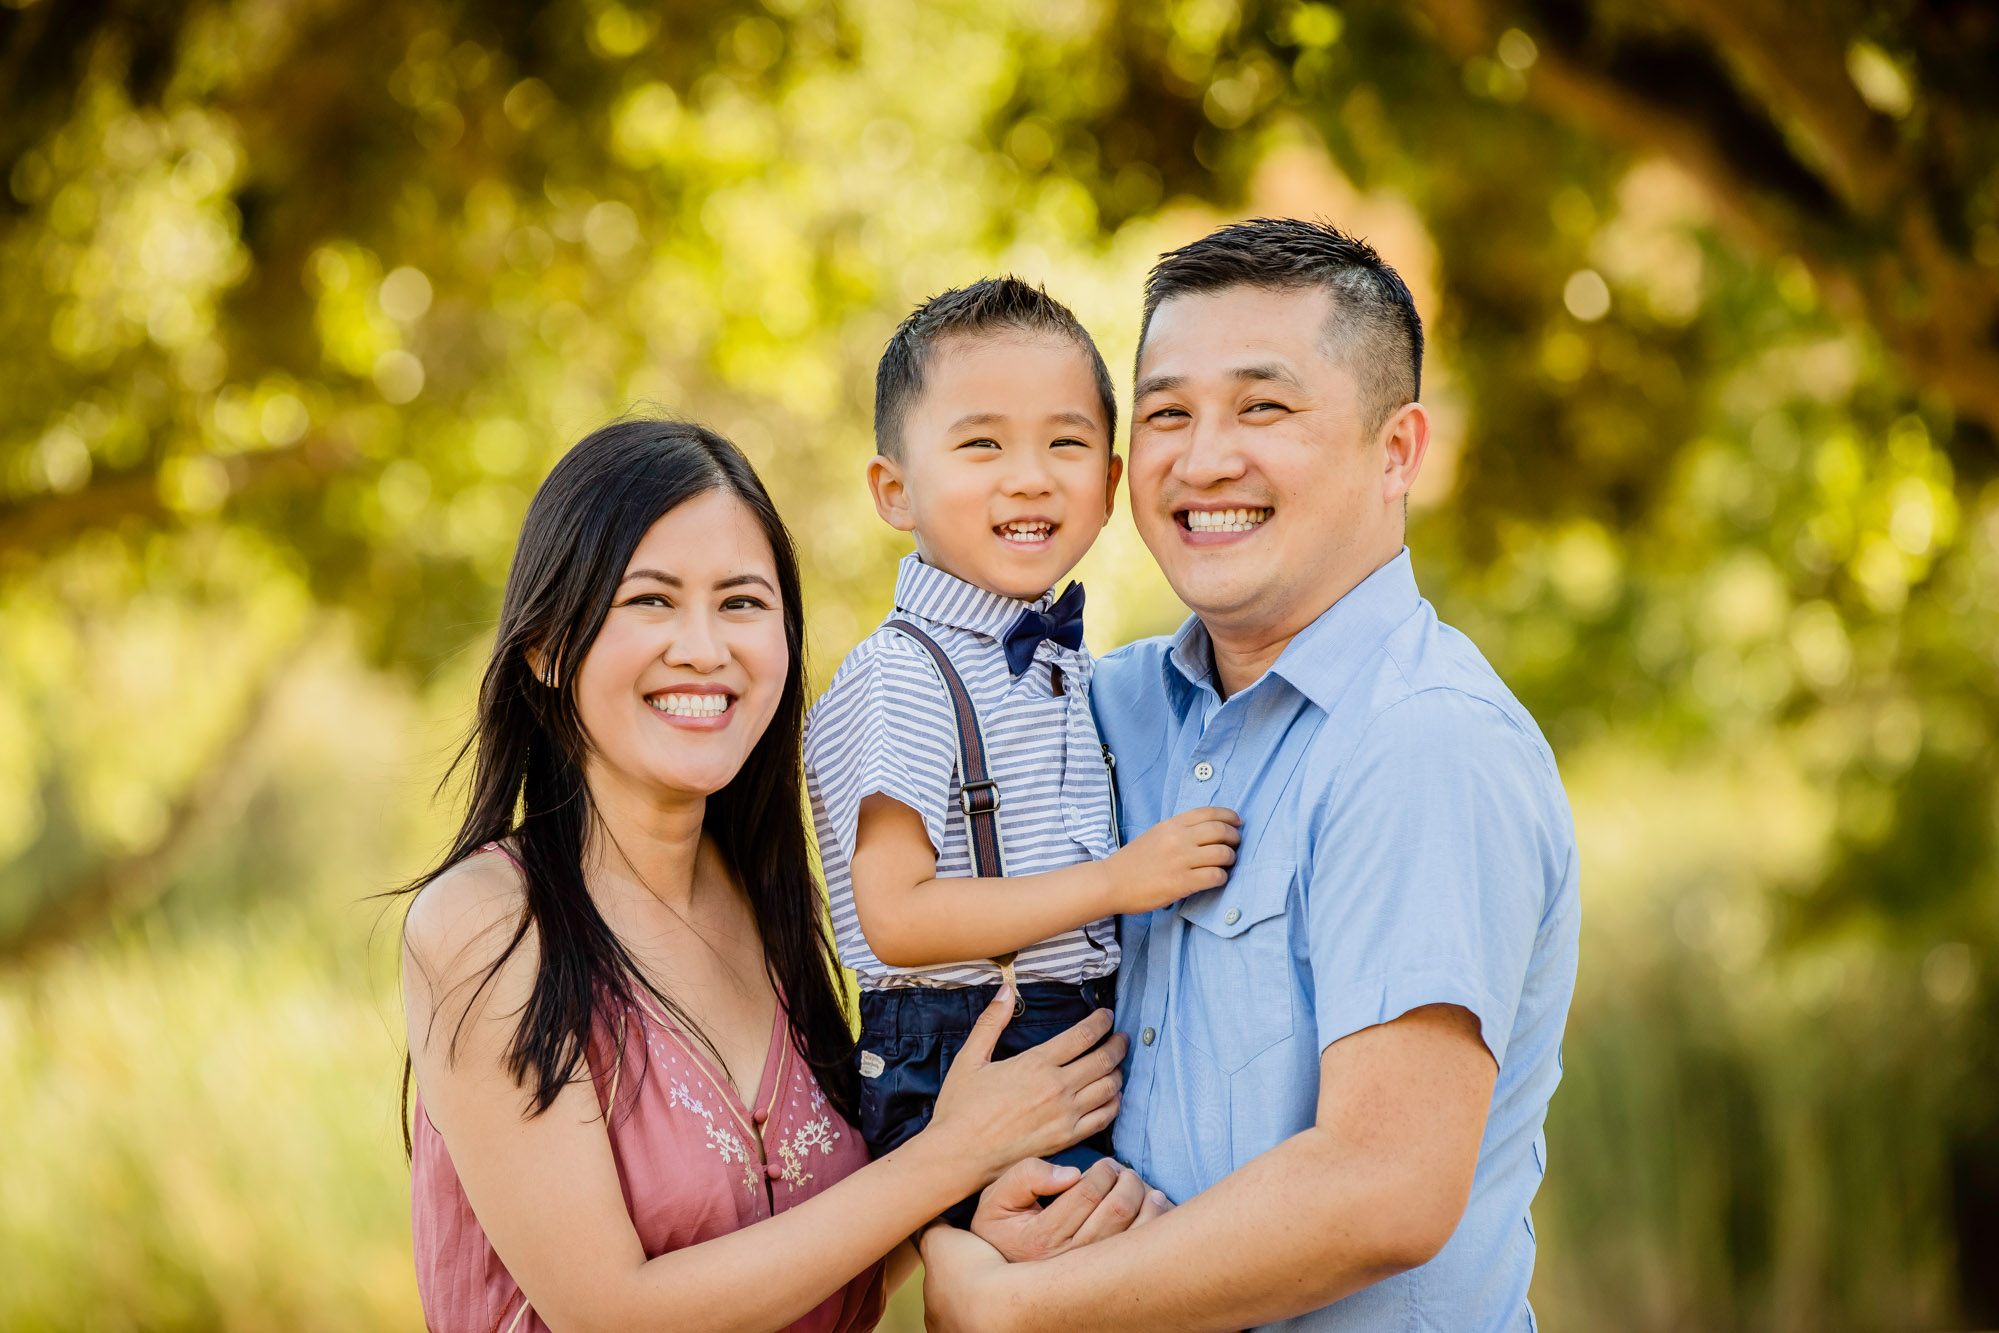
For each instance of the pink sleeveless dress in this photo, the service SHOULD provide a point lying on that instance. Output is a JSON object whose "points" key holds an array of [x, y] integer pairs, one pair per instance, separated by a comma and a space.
{"points": [[695, 1163]]}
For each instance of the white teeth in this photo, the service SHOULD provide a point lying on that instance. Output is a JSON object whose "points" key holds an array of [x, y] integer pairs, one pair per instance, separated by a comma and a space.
{"points": [[1028, 531], [1225, 520], [690, 705]]}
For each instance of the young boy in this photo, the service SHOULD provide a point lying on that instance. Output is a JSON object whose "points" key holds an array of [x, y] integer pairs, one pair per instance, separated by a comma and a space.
{"points": [[994, 420]]}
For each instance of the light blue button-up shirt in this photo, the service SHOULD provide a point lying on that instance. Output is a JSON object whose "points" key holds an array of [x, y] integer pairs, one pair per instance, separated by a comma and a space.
{"points": [[1405, 842]]}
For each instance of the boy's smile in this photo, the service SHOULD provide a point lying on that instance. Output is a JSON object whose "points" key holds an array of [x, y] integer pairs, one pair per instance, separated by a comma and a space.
{"points": [[1005, 473]]}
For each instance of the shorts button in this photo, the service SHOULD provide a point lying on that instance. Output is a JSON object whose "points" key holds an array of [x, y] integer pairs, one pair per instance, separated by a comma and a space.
{"points": [[1147, 1036], [1203, 771]]}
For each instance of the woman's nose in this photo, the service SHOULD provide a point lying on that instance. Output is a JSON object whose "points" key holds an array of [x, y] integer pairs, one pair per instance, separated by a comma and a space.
{"points": [[696, 644]]}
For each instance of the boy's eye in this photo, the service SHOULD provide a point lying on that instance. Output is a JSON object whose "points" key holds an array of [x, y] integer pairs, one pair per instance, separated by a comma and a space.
{"points": [[1079, 444], [981, 443]]}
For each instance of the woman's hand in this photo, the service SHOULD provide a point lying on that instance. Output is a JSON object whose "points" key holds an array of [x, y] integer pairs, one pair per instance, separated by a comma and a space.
{"points": [[1105, 1200], [995, 1112]]}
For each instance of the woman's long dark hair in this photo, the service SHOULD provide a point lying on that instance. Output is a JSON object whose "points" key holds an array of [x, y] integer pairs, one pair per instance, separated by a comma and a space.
{"points": [[528, 748]]}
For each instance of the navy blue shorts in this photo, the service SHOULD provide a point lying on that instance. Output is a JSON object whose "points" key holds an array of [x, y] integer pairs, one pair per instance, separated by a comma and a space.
{"points": [[917, 1031]]}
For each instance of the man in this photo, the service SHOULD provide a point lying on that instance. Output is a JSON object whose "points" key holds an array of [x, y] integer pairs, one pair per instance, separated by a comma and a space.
{"points": [[1341, 1060]]}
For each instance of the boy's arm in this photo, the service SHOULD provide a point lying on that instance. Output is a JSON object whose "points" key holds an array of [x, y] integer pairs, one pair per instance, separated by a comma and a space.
{"points": [[913, 919]]}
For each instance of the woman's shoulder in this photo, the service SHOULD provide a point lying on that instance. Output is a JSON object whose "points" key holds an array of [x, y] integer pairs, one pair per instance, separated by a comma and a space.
{"points": [[465, 916]]}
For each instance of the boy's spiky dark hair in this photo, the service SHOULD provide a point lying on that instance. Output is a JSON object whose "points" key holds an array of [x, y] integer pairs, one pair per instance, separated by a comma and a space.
{"points": [[1374, 326], [991, 305]]}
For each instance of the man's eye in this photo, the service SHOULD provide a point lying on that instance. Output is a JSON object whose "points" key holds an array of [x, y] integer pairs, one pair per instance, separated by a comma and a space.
{"points": [[1274, 407], [1166, 413]]}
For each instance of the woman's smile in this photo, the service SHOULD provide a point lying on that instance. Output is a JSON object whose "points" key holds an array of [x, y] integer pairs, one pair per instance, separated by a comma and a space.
{"points": [[694, 707]]}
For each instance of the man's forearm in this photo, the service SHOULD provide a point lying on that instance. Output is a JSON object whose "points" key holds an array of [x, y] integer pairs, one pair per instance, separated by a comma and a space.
{"points": [[1294, 1230]]}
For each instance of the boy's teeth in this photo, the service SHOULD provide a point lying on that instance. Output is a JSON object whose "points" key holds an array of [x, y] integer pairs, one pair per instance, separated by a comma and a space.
{"points": [[690, 705], [1025, 532], [1225, 520]]}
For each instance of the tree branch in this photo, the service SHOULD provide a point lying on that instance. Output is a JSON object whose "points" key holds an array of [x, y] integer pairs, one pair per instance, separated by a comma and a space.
{"points": [[1883, 264], [45, 522]]}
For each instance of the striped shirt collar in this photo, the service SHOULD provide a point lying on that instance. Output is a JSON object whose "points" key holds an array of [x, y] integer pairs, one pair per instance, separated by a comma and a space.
{"points": [[927, 591]]}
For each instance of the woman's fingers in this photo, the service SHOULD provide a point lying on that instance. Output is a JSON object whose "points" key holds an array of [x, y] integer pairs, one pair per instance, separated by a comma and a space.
{"points": [[1156, 1203], [1102, 1090], [1066, 1045], [985, 1033], [1087, 1068], [1091, 1123]]}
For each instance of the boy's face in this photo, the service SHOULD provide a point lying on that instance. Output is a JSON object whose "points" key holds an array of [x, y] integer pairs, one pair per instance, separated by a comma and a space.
{"points": [[1006, 474]]}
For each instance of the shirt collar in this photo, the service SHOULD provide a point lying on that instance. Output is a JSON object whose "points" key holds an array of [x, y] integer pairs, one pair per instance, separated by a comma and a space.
{"points": [[1319, 661], [927, 591]]}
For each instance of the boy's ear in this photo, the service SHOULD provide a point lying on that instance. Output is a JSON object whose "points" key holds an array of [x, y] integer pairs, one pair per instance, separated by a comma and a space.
{"points": [[1110, 485], [891, 492]]}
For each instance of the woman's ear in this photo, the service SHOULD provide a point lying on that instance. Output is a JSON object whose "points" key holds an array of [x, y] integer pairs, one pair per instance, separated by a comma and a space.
{"points": [[538, 663], [891, 492]]}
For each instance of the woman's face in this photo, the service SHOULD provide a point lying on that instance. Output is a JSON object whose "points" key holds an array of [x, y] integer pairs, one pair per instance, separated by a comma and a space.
{"points": [[687, 670]]}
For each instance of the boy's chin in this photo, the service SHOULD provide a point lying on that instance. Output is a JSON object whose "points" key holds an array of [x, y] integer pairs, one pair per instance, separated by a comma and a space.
{"points": [[1022, 575]]}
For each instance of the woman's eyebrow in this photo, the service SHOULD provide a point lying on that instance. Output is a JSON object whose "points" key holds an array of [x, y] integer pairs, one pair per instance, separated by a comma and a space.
{"points": [[674, 581]]}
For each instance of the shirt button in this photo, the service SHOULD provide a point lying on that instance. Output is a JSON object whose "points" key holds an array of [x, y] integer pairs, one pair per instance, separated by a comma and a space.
{"points": [[1147, 1036], [1234, 915], [1203, 771]]}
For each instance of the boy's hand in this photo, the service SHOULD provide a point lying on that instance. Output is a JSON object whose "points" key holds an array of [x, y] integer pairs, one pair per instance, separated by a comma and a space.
{"points": [[1175, 857]]}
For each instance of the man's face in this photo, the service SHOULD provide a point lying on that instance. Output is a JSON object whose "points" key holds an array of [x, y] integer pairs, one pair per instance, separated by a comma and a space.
{"points": [[1259, 488]]}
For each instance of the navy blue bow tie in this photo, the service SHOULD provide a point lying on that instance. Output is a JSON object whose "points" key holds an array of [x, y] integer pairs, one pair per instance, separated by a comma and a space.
{"points": [[1062, 622]]}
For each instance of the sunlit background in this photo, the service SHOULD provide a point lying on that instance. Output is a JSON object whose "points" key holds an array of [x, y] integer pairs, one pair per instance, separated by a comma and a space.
{"points": [[300, 298]]}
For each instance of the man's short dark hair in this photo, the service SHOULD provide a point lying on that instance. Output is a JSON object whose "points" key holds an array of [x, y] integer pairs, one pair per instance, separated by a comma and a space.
{"points": [[989, 306], [1374, 327]]}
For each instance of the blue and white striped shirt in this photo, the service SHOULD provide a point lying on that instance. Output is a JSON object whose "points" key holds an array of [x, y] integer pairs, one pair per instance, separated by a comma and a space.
{"points": [[885, 725]]}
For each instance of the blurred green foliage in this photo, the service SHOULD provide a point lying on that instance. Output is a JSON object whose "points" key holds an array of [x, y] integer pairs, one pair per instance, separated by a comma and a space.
{"points": [[300, 298]]}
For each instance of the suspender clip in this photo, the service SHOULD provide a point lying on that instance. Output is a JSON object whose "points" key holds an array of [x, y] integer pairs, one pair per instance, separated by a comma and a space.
{"points": [[972, 807]]}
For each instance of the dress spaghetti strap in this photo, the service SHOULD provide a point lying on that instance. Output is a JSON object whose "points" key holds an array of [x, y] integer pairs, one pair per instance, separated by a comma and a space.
{"points": [[501, 849]]}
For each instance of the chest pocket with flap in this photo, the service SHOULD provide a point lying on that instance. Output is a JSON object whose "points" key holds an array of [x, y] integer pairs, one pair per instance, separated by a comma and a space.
{"points": [[1237, 965]]}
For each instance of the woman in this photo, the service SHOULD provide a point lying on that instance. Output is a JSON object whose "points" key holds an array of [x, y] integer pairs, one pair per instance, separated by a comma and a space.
{"points": [[635, 1076]]}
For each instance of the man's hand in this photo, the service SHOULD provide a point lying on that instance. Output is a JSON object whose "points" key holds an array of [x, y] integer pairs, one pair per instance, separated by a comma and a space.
{"points": [[1107, 1199]]}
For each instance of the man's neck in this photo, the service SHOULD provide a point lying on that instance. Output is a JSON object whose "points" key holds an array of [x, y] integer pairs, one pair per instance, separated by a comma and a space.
{"points": [[1246, 646]]}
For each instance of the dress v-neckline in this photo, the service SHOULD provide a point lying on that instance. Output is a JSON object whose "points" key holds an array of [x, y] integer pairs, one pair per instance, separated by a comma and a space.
{"points": [[769, 1082]]}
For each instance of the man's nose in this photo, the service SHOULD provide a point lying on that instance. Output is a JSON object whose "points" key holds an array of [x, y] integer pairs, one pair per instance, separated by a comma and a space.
{"points": [[1211, 455]]}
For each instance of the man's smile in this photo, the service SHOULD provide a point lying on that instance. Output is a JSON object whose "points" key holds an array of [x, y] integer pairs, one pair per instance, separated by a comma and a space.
{"points": [[1239, 519]]}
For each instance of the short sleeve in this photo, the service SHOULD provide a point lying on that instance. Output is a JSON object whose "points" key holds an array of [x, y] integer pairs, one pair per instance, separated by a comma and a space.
{"points": [[884, 725], [1433, 861]]}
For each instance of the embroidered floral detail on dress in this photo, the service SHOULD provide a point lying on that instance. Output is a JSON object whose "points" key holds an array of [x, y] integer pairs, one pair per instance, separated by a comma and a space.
{"points": [[793, 1151], [728, 1145]]}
